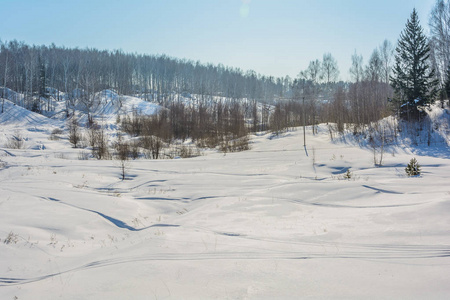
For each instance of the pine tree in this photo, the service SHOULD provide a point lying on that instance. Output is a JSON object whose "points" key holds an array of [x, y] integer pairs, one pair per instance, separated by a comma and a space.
{"points": [[413, 79]]}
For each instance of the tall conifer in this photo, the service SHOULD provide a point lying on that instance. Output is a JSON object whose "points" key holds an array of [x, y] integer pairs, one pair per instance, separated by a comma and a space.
{"points": [[413, 78], [447, 83]]}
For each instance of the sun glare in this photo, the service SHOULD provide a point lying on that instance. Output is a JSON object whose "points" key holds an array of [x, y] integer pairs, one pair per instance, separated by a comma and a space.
{"points": [[245, 8]]}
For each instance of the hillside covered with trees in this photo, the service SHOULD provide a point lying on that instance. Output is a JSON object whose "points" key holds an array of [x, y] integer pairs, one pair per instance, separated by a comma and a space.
{"points": [[44, 75]]}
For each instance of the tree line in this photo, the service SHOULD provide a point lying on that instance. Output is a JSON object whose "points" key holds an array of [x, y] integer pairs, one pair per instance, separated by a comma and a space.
{"points": [[403, 80], [42, 71]]}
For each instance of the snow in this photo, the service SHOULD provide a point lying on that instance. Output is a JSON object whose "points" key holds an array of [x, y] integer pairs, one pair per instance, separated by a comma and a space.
{"points": [[20, 117], [108, 104], [276, 222]]}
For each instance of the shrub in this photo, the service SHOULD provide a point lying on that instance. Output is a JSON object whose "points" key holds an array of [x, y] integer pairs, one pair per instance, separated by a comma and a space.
{"points": [[413, 168], [74, 132], [12, 238], [16, 141], [153, 144], [55, 135], [134, 151], [100, 143], [235, 145], [57, 131], [188, 152], [348, 174]]}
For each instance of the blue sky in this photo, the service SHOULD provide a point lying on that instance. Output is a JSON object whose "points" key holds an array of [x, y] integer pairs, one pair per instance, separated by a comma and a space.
{"points": [[272, 37]]}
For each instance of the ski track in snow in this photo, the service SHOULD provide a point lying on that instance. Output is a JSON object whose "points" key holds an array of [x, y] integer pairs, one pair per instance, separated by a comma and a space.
{"points": [[321, 249], [372, 252]]}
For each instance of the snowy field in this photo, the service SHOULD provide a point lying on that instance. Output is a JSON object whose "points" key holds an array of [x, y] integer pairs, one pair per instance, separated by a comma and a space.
{"points": [[276, 222]]}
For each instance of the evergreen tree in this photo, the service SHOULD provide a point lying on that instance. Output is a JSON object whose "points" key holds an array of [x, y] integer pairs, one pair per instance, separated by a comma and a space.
{"points": [[447, 83], [413, 79], [413, 168]]}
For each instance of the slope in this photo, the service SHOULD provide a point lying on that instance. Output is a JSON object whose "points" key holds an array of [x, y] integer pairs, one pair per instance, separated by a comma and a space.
{"points": [[278, 221]]}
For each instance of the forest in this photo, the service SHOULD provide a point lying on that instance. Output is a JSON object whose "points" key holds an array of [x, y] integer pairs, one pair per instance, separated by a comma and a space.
{"points": [[44, 75]]}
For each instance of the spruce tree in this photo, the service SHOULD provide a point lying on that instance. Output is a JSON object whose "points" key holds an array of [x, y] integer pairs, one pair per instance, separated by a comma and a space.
{"points": [[447, 83], [413, 78]]}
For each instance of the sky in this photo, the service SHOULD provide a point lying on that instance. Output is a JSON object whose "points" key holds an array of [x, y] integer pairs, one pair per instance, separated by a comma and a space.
{"points": [[271, 37]]}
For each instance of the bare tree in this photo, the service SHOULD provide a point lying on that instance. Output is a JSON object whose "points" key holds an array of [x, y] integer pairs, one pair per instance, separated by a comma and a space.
{"points": [[313, 72], [4, 82], [374, 69], [100, 149], [330, 68], [122, 154], [386, 51], [356, 70], [339, 110], [66, 64], [311, 78], [74, 132], [439, 23]]}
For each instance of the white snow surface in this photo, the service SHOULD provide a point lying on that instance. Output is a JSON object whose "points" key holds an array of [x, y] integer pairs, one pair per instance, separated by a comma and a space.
{"points": [[108, 104], [20, 117], [275, 222]]}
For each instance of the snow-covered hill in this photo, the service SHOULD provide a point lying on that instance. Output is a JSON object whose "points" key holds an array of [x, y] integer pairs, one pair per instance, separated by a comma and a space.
{"points": [[279, 221], [105, 108], [107, 105], [15, 115]]}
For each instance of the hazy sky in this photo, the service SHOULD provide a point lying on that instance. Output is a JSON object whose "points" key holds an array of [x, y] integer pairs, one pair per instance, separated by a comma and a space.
{"points": [[272, 37]]}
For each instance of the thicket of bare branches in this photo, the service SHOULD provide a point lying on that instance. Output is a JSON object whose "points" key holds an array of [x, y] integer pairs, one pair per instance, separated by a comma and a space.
{"points": [[220, 125]]}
